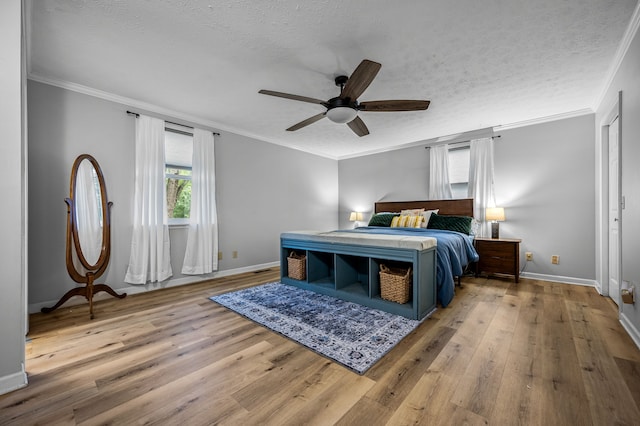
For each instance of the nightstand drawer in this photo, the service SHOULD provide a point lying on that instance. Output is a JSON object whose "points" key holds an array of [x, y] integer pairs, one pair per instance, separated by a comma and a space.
{"points": [[496, 264], [496, 249]]}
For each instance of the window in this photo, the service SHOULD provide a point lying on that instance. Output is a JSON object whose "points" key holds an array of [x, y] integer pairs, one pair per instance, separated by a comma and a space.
{"points": [[178, 156], [459, 171]]}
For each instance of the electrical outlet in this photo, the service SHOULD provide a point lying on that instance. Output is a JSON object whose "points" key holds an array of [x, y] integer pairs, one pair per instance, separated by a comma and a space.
{"points": [[529, 256], [219, 255], [235, 254], [555, 259]]}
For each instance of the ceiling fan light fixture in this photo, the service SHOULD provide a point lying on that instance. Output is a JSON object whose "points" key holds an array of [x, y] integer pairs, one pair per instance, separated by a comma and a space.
{"points": [[342, 114]]}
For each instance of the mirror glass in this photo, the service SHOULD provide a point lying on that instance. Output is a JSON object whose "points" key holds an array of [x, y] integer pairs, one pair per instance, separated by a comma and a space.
{"points": [[89, 211]]}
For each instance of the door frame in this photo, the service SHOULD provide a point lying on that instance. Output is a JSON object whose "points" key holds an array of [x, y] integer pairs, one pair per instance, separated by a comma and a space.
{"points": [[615, 265], [602, 213]]}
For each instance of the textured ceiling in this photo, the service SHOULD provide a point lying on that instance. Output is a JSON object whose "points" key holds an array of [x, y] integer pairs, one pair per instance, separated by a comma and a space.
{"points": [[481, 63]]}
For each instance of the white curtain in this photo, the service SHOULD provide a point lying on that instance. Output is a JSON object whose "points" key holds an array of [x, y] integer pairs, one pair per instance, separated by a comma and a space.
{"points": [[150, 250], [201, 256], [481, 181], [439, 185]]}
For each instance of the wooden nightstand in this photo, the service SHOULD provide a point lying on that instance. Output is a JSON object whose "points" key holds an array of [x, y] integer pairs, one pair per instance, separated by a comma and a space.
{"points": [[498, 256]]}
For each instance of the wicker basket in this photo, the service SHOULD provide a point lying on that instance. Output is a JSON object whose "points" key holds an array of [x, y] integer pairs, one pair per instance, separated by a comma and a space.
{"points": [[395, 284], [297, 266]]}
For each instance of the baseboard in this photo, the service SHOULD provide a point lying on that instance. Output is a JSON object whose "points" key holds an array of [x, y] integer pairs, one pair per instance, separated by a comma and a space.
{"points": [[13, 381], [559, 279], [630, 328], [135, 289], [598, 286]]}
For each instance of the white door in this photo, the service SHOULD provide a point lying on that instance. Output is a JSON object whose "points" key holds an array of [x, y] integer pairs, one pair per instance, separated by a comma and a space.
{"points": [[614, 214]]}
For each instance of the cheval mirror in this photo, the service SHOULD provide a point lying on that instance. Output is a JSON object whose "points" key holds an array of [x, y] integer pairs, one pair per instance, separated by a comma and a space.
{"points": [[88, 231]]}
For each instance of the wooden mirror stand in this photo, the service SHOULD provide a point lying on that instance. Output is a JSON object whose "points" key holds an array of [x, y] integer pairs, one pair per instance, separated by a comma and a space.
{"points": [[88, 223]]}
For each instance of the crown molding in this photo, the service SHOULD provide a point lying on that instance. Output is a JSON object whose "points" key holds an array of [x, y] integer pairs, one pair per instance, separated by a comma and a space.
{"points": [[625, 43], [164, 113], [172, 115], [475, 133], [450, 139], [547, 119], [382, 150]]}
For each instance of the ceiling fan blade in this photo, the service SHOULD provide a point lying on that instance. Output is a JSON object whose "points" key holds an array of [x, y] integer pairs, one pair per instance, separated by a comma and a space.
{"points": [[306, 122], [294, 97], [395, 105], [358, 127], [360, 79]]}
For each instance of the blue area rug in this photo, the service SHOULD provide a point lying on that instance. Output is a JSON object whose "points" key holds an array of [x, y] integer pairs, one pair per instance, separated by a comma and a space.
{"points": [[351, 334]]}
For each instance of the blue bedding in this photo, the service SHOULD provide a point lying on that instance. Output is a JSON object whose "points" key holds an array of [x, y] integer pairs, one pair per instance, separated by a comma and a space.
{"points": [[454, 252]]}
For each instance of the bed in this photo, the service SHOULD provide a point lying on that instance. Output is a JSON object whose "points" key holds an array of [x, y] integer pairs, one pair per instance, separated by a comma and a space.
{"points": [[455, 250], [345, 263]]}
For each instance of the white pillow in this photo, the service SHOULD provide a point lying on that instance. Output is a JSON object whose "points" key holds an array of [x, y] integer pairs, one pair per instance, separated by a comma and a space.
{"points": [[475, 227], [427, 215], [411, 212]]}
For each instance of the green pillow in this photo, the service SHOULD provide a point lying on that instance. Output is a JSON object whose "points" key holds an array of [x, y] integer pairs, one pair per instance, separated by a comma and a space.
{"points": [[450, 223], [382, 219]]}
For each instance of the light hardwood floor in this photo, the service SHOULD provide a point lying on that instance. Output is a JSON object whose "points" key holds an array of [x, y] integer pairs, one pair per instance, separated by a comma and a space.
{"points": [[534, 353]]}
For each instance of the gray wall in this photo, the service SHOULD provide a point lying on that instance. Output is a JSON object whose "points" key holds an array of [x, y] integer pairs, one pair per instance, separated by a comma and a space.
{"points": [[262, 190], [543, 177], [12, 261], [627, 80], [390, 176]]}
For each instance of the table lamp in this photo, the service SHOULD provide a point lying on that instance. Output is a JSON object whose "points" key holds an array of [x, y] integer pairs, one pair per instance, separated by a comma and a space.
{"points": [[355, 217], [495, 215]]}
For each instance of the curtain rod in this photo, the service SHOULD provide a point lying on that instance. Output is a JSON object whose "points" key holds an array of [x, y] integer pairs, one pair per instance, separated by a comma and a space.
{"points": [[459, 142], [170, 122]]}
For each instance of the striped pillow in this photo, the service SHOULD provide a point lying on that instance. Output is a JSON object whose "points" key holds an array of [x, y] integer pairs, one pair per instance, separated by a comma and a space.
{"points": [[407, 221]]}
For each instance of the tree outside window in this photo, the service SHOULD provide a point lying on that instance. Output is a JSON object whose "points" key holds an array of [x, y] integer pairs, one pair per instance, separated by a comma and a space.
{"points": [[178, 181]]}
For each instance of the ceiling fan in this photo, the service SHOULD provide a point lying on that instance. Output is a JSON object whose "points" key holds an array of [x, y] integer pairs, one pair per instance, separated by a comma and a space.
{"points": [[345, 107]]}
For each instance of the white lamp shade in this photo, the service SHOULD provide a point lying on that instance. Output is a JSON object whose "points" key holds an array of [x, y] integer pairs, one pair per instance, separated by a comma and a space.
{"points": [[355, 217], [495, 214], [342, 114]]}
